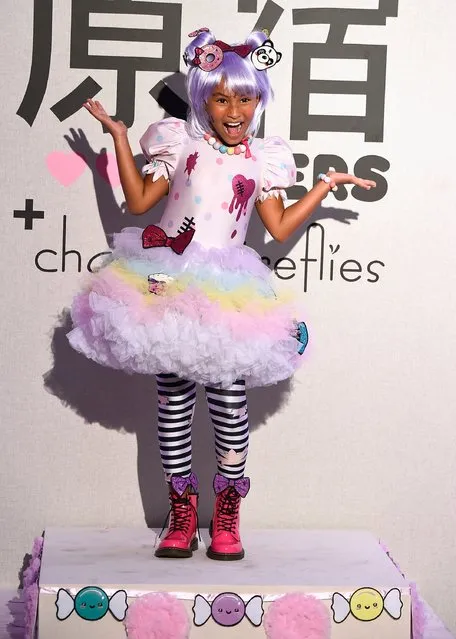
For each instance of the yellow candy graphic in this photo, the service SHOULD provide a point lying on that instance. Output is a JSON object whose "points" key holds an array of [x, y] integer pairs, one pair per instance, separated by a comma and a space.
{"points": [[366, 604]]}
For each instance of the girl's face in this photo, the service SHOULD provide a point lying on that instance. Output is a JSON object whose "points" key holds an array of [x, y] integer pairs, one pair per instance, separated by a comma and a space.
{"points": [[230, 114]]}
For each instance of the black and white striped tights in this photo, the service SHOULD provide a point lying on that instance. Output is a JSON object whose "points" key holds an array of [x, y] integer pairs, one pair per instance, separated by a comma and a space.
{"points": [[228, 412]]}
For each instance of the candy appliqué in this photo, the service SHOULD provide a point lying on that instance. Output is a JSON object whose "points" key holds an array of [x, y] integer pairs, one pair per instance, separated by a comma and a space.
{"points": [[366, 604], [302, 336], [91, 604], [157, 282], [228, 609], [243, 190]]}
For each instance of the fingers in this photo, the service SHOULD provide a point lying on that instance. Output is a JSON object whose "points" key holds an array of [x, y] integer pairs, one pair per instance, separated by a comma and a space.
{"points": [[345, 178], [94, 106], [364, 184], [368, 184]]}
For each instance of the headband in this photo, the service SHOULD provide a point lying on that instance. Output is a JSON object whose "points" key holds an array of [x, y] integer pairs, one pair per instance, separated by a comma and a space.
{"points": [[210, 56]]}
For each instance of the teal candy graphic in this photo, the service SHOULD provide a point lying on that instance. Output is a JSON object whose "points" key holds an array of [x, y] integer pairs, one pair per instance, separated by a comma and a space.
{"points": [[91, 603]]}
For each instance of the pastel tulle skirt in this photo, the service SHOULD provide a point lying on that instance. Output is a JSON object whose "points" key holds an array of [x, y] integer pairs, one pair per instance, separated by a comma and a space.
{"points": [[208, 315]]}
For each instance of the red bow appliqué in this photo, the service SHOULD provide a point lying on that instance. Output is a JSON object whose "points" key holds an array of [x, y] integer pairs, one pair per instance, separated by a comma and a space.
{"points": [[241, 49], [155, 236]]}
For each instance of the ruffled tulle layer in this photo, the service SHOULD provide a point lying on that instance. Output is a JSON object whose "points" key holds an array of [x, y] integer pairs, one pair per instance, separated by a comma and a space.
{"points": [[209, 315]]}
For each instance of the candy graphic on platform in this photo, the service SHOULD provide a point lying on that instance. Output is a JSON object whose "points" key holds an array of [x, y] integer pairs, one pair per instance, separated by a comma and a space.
{"points": [[91, 603], [366, 604], [228, 609]]}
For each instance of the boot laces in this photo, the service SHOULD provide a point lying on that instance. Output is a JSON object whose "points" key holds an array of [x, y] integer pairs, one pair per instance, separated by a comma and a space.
{"points": [[180, 510], [227, 511]]}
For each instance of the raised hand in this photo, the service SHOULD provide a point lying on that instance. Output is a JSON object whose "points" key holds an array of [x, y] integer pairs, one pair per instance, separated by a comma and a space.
{"points": [[115, 128], [346, 178]]}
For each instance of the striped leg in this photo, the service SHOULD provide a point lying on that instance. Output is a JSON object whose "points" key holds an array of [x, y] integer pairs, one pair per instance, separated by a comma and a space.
{"points": [[176, 405], [228, 411]]}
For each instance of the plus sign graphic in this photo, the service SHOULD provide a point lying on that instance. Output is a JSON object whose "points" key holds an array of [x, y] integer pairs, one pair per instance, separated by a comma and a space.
{"points": [[29, 215]]}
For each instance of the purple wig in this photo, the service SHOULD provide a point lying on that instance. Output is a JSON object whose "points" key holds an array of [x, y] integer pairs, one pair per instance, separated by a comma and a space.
{"points": [[239, 75]]}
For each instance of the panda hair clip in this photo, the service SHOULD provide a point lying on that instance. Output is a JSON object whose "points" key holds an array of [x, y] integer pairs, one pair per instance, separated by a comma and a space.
{"points": [[265, 56]]}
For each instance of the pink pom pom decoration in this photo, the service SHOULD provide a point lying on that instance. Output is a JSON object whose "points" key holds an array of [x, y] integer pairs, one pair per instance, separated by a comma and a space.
{"points": [[297, 616], [157, 616]]}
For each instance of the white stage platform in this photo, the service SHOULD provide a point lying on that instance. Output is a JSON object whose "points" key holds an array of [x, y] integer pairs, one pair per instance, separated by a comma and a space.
{"points": [[321, 563], [330, 565]]}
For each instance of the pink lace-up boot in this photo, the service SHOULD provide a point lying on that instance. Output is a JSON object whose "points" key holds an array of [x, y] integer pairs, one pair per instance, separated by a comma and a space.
{"points": [[181, 538], [226, 542]]}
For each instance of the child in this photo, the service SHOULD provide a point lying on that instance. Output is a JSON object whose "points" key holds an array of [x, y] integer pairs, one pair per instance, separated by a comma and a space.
{"points": [[186, 300]]}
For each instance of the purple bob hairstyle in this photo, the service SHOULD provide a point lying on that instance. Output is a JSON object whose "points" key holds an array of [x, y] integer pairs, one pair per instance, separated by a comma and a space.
{"points": [[239, 75]]}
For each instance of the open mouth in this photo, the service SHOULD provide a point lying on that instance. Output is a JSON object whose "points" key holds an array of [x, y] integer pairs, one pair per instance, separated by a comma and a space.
{"points": [[232, 129]]}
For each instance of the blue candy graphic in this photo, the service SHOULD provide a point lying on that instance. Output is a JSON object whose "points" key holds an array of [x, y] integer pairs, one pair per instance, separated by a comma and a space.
{"points": [[91, 603]]}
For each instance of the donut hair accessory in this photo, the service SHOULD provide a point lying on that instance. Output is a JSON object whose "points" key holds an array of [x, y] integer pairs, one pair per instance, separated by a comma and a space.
{"points": [[210, 56]]}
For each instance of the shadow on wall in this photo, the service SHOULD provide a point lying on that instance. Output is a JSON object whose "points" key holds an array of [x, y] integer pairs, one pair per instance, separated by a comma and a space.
{"points": [[123, 402]]}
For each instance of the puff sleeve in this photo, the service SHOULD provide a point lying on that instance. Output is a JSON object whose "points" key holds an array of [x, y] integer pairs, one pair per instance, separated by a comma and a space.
{"points": [[279, 169], [161, 145]]}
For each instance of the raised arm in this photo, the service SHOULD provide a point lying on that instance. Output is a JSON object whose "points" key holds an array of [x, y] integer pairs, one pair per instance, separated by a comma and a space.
{"points": [[282, 222], [141, 193]]}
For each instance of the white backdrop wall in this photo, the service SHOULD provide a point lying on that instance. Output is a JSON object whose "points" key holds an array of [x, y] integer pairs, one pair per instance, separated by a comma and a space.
{"points": [[364, 435]]}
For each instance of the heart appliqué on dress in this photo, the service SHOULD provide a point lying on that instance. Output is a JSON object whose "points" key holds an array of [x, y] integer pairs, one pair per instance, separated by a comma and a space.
{"points": [[243, 190]]}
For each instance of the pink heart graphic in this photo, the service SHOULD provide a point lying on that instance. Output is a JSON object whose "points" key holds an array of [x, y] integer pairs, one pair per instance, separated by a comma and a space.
{"points": [[108, 169], [249, 187], [65, 167], [243, 190]]}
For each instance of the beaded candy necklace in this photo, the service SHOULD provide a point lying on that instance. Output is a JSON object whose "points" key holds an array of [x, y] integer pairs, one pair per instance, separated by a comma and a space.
{"points": [[243, 147]]}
